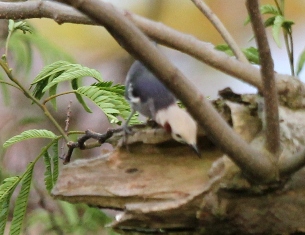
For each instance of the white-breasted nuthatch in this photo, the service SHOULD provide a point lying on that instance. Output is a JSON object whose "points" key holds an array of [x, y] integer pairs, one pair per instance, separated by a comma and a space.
{"points": [[147, 95]]}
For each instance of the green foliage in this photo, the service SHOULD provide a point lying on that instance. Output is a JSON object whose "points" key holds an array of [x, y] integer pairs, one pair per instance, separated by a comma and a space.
{"points": [[48, 179], [6, 190], [72, 219], [22, 200], [251, 53], [276, 21], [20, 25], [61, 71], [21, 47], [51, 165], [109, 99], [4, 209], [301, 62], [29, 134]]}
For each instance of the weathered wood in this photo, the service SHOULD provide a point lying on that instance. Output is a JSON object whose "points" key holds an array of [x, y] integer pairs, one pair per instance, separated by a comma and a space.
{"points": [[161, 184]]}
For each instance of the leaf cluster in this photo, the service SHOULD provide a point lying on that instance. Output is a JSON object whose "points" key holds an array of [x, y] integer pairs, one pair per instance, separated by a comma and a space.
{"points": [[108, 97], [277, 21], [9, 185], [251, 53]]}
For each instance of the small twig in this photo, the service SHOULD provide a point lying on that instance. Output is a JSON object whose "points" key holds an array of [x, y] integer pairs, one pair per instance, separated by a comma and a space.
{"points": [[101, 138], [54, 96], [269, 85], [67, 121], [10, 84], [204, 8]]}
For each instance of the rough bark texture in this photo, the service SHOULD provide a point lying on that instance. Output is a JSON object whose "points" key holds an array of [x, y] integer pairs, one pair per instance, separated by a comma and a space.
{"points": [[164, 188]]}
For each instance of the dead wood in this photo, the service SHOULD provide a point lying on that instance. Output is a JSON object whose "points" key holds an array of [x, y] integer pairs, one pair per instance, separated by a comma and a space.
{"points": [[161, 186]]}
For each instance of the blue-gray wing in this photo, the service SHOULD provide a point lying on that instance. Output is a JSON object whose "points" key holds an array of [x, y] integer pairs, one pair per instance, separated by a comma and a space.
{"points": [[143, 87]]}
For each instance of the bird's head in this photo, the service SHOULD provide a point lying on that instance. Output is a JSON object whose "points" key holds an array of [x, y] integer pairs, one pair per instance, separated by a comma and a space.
{"points": [[180, 124]]}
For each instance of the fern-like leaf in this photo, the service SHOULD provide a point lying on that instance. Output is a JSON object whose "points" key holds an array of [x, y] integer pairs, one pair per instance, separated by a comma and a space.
{"points": [[55, 158], [4, 209], [22, 201], [75, 83], [6, 190], [29, 134], [8, 186], [75, 71], [109, 101], [61, 71], [48, 178]]}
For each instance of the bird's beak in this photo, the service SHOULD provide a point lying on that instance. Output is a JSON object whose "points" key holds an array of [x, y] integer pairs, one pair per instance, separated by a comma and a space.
{"points": [[196, 149]]}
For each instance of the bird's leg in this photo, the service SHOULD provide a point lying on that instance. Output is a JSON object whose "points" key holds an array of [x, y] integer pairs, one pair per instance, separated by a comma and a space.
{"points": [[151, 123], [127, 129]]}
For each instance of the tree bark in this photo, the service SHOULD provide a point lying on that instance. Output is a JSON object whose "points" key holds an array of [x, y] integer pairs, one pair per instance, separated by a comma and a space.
{"points": [[162, 186]]}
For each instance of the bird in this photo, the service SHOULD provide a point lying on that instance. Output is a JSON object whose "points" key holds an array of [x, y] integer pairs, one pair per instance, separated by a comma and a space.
{"points": [[150, 97]]}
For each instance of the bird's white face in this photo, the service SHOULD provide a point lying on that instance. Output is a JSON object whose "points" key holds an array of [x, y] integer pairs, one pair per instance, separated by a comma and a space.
{"points": [[184, 130], [181, 125]]}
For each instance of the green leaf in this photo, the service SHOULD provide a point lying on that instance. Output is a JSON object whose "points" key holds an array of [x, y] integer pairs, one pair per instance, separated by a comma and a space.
{"points": [[52, 92], [76, 71], [47, 71], [22, 201], [224, 48], [29, 134], [269, 21], [109, 99], [75, 86], [4, 209], [252, 55], [287, 25], [8, 186], [55, 158], [269, 9], [276, 28], [265, 9], [48, 178], [301, 62]]}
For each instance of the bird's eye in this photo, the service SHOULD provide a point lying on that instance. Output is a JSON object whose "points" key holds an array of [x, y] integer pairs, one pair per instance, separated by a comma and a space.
{"points": [[178, 137]]}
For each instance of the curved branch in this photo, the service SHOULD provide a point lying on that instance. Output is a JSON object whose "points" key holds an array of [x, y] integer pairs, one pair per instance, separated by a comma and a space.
{"points": [[204, 8], [288, 87], [267, 70], [255, 164]]}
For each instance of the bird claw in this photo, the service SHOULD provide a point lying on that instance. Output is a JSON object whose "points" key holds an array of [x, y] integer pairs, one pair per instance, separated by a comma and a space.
{"points": [[127, 131]]}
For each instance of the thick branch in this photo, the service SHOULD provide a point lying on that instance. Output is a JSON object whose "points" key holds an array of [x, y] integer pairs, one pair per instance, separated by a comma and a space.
{"points": [[267, 70], [204, 8], [255, 164], [287, 86]]}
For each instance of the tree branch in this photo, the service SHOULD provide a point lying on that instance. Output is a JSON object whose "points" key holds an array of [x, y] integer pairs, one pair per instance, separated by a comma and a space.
{"points": [[204, 8], [291, 90], [269, 86], [255, 164]]}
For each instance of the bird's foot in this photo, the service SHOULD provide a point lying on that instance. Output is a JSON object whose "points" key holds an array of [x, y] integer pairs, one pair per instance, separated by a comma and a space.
{"points": [[127, 131], [152, 123]]}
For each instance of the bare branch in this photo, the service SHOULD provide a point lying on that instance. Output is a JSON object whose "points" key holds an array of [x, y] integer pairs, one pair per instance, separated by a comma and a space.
{"points": [[288, 87], [204, 8], [267, 70], [255, 164]]}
